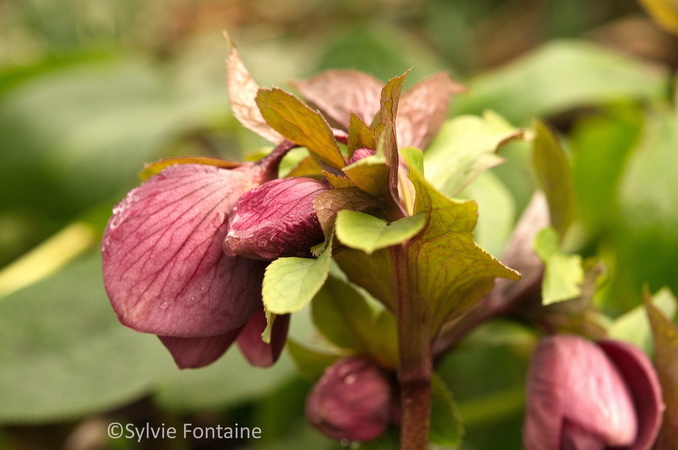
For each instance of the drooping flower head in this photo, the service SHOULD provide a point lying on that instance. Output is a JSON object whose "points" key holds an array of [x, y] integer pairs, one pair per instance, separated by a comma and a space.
{"points": [[184, 254], [585, 395]]}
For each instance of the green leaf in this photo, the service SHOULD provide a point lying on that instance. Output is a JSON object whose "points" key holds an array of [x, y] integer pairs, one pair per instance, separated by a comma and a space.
{"points": [[311, 363], [368, 233], [634, 327], [300, 124], [370, 174], [665, 336], [496, 211], [344, 317], [557, 77], [552, 169], [90, 151], [448, 272], [563, 274], [374, 272], [645, 238], [63, 353], [446, 426], [600, 146], [465, 147], [359, 135], [290, 283]]}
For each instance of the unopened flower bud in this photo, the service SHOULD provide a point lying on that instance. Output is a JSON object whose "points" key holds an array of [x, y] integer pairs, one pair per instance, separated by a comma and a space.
{"points": [[275, 219], [359, 154], [586, 395], [352, 400]]}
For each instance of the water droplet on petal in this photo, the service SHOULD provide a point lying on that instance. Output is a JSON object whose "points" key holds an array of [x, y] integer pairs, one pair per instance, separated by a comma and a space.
{"points": [[164, 305]]}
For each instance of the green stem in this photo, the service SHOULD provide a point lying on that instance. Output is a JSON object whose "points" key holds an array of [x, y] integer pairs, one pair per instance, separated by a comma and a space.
{"points": [[415, 366]]}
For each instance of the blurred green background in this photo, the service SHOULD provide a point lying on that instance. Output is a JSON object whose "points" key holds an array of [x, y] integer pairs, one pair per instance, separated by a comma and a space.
{"points": [[90, 90]]}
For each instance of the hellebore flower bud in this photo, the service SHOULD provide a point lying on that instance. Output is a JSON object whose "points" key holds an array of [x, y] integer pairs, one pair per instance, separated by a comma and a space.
{"points": [[352, 400], [359, 154], [583, 395], [275, 219]]}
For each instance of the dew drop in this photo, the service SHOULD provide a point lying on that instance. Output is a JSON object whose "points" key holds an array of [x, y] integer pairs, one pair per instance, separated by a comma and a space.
{"points": [[164, 305]]}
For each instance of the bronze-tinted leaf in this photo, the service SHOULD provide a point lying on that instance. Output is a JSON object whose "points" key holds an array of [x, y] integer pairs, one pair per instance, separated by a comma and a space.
{"points": [[242, 91], [338, 93], [300, 124], [423, 110]]}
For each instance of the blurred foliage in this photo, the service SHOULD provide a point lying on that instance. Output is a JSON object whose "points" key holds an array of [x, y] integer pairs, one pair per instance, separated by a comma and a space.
{"points": [[90, 90]]}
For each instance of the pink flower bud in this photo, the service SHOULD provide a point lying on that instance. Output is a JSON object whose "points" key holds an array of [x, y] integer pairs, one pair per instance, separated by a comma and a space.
{"points": [[352, 400], [581, 395], [359, 154], [276, 219]]}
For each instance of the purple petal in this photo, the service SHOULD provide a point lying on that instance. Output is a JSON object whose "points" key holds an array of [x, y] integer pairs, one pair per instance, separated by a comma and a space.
{"points": [[643, 382], [255, 350], [193, 353], [338, 93], [164, 270], [275, 219], [352, 400], [423, 109]]}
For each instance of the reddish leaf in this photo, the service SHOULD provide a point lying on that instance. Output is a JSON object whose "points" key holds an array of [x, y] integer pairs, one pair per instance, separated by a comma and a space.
{"points": [[385, 130], [242, 91], [338, 93], [423, 110]]}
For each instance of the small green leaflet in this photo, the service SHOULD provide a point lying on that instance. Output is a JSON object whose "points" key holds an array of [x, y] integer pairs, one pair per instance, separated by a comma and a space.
{"points": [[368, 233], [291, 283], [563, 274]]}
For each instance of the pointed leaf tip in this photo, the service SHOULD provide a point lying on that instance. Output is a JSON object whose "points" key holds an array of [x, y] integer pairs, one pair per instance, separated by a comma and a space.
{"points": [[242, 91], [300, 124]]}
